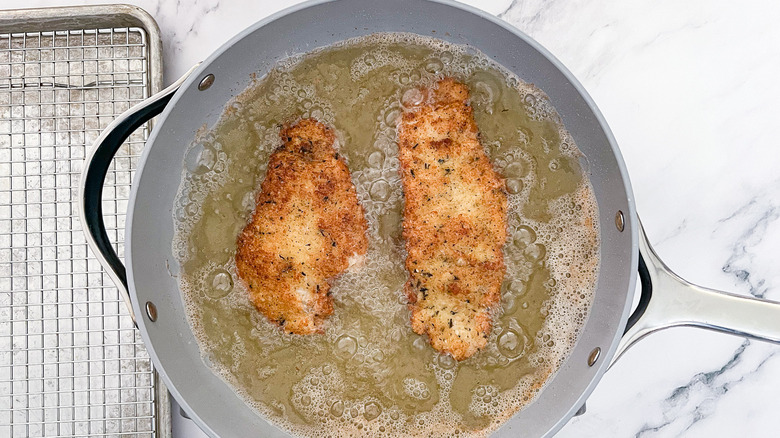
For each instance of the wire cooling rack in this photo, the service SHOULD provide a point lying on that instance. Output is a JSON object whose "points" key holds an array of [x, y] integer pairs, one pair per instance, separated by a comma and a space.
{"points": [[71, 361]]}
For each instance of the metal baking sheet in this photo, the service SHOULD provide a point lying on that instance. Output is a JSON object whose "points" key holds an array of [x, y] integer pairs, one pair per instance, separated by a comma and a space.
{"points": [[71, 361]]}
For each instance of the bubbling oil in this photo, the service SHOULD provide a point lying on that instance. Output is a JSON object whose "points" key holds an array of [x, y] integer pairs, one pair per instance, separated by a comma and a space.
{"points": [[370, 374]]}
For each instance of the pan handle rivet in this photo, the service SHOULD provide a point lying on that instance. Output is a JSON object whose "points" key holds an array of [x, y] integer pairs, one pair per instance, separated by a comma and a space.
{"points": [[594, 356], [206, 82], [620, 221], [151, 311]]}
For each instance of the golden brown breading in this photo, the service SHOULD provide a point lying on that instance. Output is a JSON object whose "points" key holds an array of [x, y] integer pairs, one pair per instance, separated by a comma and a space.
{"points": [[307, 228], [454, 221]]}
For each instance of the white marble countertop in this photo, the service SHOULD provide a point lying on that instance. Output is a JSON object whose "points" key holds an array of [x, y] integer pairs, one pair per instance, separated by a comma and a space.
{"points": [[691, 92]]}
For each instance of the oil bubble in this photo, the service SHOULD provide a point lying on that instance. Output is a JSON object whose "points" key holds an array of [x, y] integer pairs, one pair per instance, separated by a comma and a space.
{"points": [[536, 251], [446, 361], [316, 112], [191, 209], [525, 134], [420, 344], [221, 283], [337, 409], [483, 96], [371, 411], [525, 235], [509, 303], [486, 90], [376, 159], [515, 169], [180, 214], [514, 186], [380, 190], [200, 158], [412, 98], [346, 346], [433, 66], [208, 360], [391, 116], [397, 334], [511, 343], [248, 201]]}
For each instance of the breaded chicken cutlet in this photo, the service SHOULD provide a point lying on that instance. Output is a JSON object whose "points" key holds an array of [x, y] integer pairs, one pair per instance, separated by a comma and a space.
{"points": [[307, 228], [454, 221]]}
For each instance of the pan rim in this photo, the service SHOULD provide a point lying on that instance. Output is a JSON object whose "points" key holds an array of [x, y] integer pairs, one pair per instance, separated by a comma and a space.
{"points": [[630, 215]]}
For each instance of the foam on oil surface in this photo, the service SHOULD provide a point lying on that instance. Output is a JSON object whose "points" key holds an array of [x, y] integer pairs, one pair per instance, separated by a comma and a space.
{"points": [[369, 374]]}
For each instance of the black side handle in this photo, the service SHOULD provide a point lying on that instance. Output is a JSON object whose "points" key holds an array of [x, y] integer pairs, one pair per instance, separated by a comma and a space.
{"points": [[646, 294], [94, 175]]}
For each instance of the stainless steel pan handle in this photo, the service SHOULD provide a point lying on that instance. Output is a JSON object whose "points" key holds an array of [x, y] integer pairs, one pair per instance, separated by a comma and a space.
{"points": [[94, 175], [669, 301]]}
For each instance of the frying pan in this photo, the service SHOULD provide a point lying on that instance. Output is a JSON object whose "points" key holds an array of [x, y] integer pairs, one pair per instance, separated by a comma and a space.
{"points": [[149, 280]]}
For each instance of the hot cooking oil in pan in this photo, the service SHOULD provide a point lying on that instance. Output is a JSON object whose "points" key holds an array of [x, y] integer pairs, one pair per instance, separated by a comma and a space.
{"points": [[369, 374]]}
